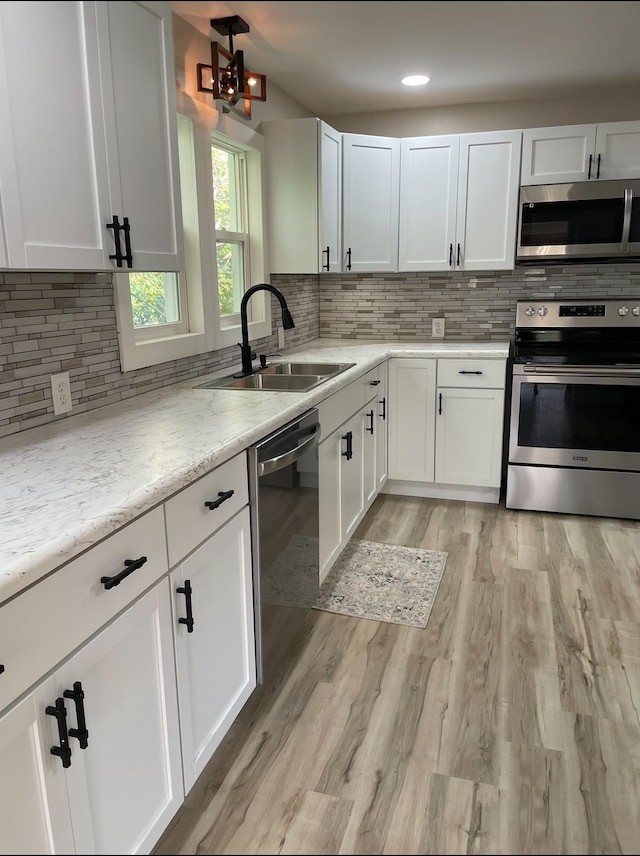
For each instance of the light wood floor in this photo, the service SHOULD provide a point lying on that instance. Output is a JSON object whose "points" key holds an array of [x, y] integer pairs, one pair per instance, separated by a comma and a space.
{"points": [[510, 724]]}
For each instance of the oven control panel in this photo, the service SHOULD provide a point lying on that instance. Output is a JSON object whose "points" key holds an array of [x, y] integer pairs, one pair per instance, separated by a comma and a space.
{"points": [[578, 313]]}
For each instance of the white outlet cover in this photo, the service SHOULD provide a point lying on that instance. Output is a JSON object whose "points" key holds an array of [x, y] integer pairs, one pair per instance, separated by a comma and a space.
{"points": [[437, 328], [61, 393]]}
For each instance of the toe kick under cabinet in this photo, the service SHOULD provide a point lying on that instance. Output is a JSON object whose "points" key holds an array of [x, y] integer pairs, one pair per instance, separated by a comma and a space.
{"points": [[121, 671], [446, 427]]}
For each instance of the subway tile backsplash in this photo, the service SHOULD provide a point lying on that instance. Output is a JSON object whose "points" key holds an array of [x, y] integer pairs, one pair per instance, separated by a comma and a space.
{"points": [[52, 322]]}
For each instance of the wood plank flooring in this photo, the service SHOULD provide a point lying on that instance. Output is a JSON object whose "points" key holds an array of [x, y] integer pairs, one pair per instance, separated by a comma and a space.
{"points": [[510, 724]]}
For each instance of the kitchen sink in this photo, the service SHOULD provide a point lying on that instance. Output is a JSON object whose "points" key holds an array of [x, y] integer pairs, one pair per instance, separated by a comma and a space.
{"points": [[281, 377]]}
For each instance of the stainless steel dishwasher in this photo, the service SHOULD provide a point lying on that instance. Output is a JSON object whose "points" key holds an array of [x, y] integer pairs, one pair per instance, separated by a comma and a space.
{"points": [[283, 479]]}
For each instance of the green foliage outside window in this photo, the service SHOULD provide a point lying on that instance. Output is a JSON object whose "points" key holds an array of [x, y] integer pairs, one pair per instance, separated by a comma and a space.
{"points": [[221, 162], [148, 299]]}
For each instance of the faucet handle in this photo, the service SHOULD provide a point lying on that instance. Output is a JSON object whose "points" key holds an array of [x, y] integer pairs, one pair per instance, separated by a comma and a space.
{"points": [[263, 359]]}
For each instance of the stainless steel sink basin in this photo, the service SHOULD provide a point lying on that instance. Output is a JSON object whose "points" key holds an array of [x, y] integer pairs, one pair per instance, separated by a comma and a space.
{"points": [[281, 377]]}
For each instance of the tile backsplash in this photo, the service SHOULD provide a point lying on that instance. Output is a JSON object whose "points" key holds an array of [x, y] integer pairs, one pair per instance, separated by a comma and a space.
{"points": [[56, 322], [52, 322]]}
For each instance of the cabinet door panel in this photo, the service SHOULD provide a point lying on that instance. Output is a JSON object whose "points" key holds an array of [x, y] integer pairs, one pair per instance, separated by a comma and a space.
{"points": [[216, 662], [469, 437], [412, 391], [330, 178], [352, 476], [34, 812], [488, 200], [371, 178], [125, 787], [370, 430], [382, 426], [560, 154], [55, 197], [428, 199], [136, 60], [329, 497], [618, 144]]}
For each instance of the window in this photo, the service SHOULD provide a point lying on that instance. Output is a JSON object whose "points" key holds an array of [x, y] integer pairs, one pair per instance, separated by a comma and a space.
{"points": [[165, 316]]}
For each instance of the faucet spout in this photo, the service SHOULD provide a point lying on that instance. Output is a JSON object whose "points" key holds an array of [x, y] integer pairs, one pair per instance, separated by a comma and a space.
{"points": [[287, 321]]}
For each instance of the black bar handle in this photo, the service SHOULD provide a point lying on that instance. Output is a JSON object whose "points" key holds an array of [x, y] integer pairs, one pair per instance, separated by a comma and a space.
{"points": [[80, 733], [115, 225], [1, 668], [458, 256], [326, 267], [450, 255], [464, 371], [349, 259], [598, 169], [60, 712], [440, 404], [349, 452], [128, 256], [223, 496], [590, 163], [370, 416], [375, 383], [187, 591], [130, 565], [383, 415]]}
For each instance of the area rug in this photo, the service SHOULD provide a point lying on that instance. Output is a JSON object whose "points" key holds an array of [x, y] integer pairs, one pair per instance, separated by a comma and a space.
{"points": [[383, 582]]}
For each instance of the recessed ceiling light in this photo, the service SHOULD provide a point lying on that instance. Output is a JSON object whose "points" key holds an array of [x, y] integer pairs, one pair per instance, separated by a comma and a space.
{"points": [[415, 80]]}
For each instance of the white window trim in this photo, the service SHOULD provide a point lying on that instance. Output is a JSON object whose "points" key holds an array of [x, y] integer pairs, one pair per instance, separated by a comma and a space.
{"points": [[196, 123]]}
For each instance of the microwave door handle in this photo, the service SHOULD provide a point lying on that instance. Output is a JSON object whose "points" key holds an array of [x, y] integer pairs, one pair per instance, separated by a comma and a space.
{"points": [[626, 222]]}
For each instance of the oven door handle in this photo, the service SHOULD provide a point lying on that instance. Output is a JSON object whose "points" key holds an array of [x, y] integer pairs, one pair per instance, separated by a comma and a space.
{"points": [[583, 371]]}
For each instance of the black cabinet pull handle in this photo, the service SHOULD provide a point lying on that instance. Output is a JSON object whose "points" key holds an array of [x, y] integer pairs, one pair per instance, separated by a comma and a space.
{"points": [[1, 668], [370, 416], [383, 415], [450, 255], [326, 267], [223, 496], [458, 256], [348, 454], [80, 733], [60, 712], [464, 371], [375, 382], [440, 404], [598, 167], [187, 591], [128, 257], [130, 565], [349, 259], [117, 255], [590, 163]]}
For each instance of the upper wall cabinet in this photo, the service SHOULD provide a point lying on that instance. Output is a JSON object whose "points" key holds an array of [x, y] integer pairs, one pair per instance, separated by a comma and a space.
{"points": [[371, 177], [458, 202], [304, 196], [87, 110], [581, 153]]}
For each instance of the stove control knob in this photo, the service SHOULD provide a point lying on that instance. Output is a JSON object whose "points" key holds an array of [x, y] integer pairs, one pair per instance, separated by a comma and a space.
{"points": [[623, 311], [542, 311], [529, 311], [636, 310]]}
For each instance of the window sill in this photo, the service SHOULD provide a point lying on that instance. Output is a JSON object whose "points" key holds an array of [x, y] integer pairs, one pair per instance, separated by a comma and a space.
{"points": [[232, 335], [154, 351]]}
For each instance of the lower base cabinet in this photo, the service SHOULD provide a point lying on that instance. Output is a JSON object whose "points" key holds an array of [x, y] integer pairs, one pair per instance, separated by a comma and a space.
{"points": [[91, 759], [214, 637]]}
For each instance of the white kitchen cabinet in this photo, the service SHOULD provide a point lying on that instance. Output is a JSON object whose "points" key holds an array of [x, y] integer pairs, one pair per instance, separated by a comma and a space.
{"points": [[412, 397], [116, 790], [303, 166], [459, 201], [570, 153], [89, 134], [469, 436], [369, 462], [371, 176], [352, 457], [381, 410], [214, 639]]}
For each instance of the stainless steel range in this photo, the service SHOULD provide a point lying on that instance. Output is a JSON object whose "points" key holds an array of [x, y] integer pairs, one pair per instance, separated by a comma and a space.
{"points": [[574, 442]]}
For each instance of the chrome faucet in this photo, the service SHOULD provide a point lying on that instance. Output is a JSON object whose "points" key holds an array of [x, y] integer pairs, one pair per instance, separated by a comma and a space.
{"points": [[245, 347]]}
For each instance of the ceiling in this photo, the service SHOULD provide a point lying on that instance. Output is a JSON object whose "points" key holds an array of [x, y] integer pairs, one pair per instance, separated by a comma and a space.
{"points": [[348, 57]]}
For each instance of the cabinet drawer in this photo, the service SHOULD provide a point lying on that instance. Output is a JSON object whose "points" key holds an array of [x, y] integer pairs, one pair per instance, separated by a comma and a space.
{"points": [[472, 372], [190, 521], [43, 625], [372, 380], [340, 406]]}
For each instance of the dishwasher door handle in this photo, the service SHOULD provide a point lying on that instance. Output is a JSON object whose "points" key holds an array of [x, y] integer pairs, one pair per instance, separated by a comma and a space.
{"points": [[289, 457]]}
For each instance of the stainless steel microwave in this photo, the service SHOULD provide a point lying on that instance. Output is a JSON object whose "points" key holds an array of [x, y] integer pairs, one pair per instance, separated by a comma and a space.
{"points": [[588, 220]]}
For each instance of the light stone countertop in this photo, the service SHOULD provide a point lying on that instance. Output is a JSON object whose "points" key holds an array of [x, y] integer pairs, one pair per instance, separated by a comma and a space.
{"points": [[67, 485]]}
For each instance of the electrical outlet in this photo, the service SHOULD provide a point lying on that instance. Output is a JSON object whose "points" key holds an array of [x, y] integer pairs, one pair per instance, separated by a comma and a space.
{"points": [[280, 338], [437, 328], [61, 393]]}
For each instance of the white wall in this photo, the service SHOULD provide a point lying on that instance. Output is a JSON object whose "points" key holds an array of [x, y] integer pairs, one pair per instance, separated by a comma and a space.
{"points": [[617, 104]]}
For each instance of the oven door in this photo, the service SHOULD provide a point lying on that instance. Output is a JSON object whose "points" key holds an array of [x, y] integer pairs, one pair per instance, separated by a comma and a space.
{"points": [[576, 417]]}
